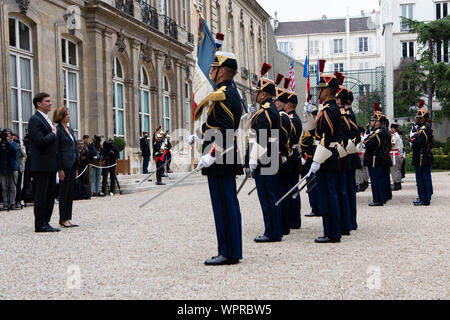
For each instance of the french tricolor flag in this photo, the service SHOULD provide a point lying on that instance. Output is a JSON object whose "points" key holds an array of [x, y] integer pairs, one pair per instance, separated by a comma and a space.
{"points": [[206, 51]]}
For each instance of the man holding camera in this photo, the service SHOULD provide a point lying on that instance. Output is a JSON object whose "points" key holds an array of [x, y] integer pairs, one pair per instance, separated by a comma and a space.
{"points": [[95, 151], [110, 154], [8, 169]]}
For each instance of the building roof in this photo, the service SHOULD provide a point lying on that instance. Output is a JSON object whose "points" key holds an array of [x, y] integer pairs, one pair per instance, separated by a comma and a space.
{"points": [[321, 26]]}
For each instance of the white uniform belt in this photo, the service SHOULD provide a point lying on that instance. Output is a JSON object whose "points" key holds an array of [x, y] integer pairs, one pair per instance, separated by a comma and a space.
{"points": [[333, 144]]}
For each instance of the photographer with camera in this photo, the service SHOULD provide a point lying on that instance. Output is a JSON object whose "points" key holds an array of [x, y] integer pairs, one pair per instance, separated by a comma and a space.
{"points": [[86, 157], [110, 154], [21, 159], [95, 149], [8, 169]]}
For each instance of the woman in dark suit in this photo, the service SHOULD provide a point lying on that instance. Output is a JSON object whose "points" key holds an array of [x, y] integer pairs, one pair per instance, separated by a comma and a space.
{"points": [[68, 162]]}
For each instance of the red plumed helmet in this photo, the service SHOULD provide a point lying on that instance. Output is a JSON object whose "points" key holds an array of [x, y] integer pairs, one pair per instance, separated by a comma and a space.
{"points": [[279, 78], [376, 107], [265, 68], [322, 65], [286, 83], [309, 97], [340, 78], [421, 104], [220, 36]]}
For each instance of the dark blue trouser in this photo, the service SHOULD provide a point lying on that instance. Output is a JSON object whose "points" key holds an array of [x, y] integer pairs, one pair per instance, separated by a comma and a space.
{"points": [[313, 196], [267, 187], [351, 191], [377, 184], [424, 183], [145, 164], [329, 204], [227, 215], [284, 206], [387, 183], [295, 220], [344, 201]]}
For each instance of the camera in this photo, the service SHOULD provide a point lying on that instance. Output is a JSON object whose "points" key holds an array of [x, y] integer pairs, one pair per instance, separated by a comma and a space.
{"points": [[3, 136]]}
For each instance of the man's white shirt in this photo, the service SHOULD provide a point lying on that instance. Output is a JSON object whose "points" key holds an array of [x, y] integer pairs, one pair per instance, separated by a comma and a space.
{"points": [[46, 118]]}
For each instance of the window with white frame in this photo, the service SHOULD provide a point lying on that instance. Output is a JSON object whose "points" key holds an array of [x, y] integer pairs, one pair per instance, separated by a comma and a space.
{"points": [[407, 11], [166, 104], [364, 65], [442, 9], [21, 67], [187, 106], [144, 101], [314, 47], [408, 49], [230, 37], [118, 99], [339, 67], [251, 54], [218, 17], [70, 78], [185, 13], [338, 46], [313, 68], [242, 45], [164, 7], [363, 44], [201, 6], [284, 46]]}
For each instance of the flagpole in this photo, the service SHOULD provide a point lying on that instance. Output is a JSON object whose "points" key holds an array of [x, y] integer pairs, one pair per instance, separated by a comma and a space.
{"points": [[307, 93]]}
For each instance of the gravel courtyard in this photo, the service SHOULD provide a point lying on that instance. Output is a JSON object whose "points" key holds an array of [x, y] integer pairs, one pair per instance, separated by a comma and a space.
{"points": [[398, 252]]}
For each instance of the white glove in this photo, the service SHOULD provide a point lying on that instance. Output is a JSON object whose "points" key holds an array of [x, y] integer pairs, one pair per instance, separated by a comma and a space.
{"points": [[253, 164], [206, 161], [191, 139], [303, 162], [410, 145], [314, 168], [252, 109]]}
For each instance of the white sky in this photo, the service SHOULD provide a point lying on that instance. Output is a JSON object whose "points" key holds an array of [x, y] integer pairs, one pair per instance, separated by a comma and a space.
{"points": [[298, 10]]}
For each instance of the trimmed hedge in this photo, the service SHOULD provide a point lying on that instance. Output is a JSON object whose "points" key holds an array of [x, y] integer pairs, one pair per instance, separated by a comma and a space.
{"points": [[119, 142], [440, 162]]}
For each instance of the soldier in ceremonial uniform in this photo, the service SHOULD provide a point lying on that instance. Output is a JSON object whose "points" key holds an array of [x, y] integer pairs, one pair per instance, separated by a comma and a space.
{"points": [[308, 147], [325, 162], [387, 166], [219, 162], [353, 153], [265, 124], [375, 158], [344, 159], [421, 143], [294, 160], [285, 171], [158, 155], [396, 157]]}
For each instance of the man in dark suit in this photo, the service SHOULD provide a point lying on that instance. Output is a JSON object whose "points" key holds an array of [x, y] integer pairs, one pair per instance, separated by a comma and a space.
{"points": [[43, 144], [145, 150]]}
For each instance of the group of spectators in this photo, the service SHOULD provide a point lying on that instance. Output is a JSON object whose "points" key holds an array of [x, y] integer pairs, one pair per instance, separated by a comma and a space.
{"points": [[17, 184], [12, 167]]}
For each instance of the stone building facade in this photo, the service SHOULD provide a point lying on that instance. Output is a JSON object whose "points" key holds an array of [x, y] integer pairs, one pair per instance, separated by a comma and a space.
{"points": [[125, 68], [121, 66]]}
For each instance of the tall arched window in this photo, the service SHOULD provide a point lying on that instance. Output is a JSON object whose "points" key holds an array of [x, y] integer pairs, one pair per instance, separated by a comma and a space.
{"points": [[69, 51], [166, 104], [144, 101], [21, 64], [164, 7], [230, 33], [118, 99]]}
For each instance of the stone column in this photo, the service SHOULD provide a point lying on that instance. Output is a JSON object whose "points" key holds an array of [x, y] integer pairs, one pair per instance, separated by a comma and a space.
{"points": [[108, 129], [160, 69], [133, 115]]}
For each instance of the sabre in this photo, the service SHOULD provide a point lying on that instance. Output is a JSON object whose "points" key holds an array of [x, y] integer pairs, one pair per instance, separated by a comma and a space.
{"points": [[294, 196], [181, 179], [311, 189], [289, 192], [243, 182]]}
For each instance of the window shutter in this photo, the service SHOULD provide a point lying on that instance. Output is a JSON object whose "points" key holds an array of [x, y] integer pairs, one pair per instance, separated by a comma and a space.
{"points": [[370, 46], [331, 47], [356, 45], [345, 46]]}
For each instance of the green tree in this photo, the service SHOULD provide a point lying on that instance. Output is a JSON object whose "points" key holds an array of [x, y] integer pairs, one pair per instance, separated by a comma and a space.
{"points": [[425, 76]]}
